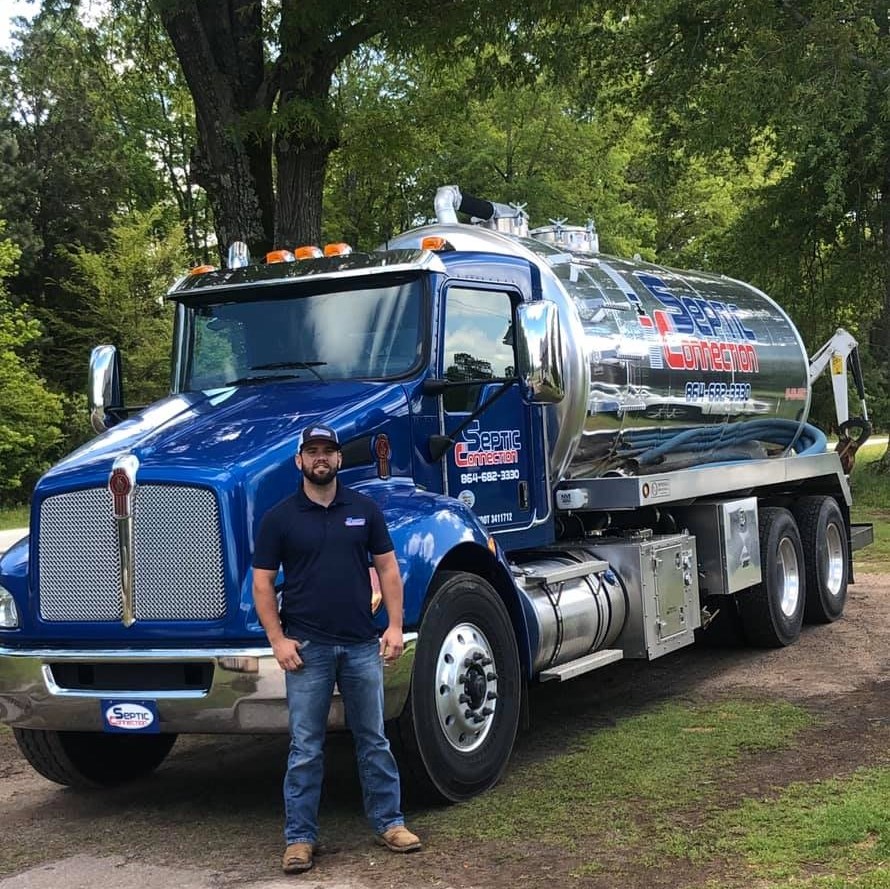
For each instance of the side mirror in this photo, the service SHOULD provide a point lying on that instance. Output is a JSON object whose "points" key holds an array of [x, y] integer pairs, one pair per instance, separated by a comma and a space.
{"points": [[104, 393], [539, 352]]}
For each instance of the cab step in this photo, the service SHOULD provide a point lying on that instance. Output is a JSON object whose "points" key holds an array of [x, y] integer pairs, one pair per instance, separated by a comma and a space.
{"points": [[582, 665]]}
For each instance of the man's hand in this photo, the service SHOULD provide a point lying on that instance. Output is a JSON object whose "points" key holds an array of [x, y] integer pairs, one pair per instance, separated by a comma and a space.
{"points": [[287, 653], [392, 644]]}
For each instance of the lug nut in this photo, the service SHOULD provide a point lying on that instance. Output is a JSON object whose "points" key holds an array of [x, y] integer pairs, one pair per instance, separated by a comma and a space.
{"points": [[477, 656], [462, 679], [469, 714], [491, 676], [487, 711], [464, 699], [485, 662], [491, 696]]}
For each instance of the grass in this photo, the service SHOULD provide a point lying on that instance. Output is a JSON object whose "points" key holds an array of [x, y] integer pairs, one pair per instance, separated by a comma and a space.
{"points": [[652, 790], [14, 517], [826, 834], [871, 503], [650, 764]]}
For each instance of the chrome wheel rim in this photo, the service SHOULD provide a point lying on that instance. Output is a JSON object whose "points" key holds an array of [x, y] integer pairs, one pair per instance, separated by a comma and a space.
{"points": [[833, 564], [466, 687], [789, 577]]}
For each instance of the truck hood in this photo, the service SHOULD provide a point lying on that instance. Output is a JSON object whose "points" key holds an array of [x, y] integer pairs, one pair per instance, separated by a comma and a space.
{"points": [[224, 430]]}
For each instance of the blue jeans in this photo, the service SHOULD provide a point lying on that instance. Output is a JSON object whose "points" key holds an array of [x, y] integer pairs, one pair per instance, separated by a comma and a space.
{"points": [[358, 671]]}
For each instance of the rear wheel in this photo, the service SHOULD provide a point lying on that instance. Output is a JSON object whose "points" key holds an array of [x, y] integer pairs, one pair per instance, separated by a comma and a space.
{"points": [[772, 611], [91, 759], [823, 534], [458, 728]]}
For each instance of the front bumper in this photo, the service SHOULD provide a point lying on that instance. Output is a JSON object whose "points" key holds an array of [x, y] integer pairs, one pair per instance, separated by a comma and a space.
{"points": [[245, 694]]}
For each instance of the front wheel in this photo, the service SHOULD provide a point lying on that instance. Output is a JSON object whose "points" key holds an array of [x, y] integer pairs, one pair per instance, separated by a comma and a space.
{"points": [[92, 759], [458, 728], [772, 611]]}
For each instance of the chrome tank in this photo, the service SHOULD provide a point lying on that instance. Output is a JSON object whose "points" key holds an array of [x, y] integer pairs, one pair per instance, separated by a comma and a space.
{"points": [[575, 617], [652, 354]]}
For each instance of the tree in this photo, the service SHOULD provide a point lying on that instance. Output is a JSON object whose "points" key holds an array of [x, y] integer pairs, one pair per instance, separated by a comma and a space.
{"points": [[411, 125], [30, 415], [257, 115], [121, 301]]}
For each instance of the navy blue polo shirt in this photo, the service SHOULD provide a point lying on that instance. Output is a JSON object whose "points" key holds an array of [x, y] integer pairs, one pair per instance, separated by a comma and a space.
{"points": [[325, 555]]}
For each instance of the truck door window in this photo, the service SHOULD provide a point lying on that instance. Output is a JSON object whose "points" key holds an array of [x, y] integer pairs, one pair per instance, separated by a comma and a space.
{"points": [[478, 343]]}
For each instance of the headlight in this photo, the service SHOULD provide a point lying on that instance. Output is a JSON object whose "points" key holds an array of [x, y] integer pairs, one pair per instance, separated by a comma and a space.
{"points": [[9, 614]]}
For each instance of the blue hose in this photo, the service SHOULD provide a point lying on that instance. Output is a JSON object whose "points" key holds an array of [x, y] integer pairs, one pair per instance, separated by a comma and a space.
{"points": [[648, 447]]}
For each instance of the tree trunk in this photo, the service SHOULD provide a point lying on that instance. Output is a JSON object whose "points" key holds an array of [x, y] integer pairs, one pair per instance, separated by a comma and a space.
{"points": [[219, 46], [301, 172]]}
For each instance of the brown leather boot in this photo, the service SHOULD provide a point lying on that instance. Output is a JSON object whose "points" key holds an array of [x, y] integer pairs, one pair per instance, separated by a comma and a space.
{"points": [[399, 839], [297, 858]]}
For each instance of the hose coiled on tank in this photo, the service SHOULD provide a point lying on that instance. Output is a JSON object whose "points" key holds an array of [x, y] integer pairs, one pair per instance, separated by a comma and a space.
{"points": [[648, 447]]}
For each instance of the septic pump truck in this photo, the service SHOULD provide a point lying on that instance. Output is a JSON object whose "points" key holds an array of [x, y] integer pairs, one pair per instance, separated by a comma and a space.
{"points": [[580, 459]]}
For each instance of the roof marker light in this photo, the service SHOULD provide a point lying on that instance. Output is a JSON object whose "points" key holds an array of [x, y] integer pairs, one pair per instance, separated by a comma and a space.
{"points": [[279, 256], [308, 252], [338, 249], [202, 269], [435, 242]]}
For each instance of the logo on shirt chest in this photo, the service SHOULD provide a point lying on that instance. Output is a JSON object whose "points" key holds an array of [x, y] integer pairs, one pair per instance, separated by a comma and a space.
{"points": [[354, 522]]}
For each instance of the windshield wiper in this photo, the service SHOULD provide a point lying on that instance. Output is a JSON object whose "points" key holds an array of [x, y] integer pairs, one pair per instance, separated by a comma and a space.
{"points": [[305, 365], [260, 378]]}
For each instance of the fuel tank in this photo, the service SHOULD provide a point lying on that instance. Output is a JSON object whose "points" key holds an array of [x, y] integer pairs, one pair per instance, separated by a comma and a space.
{"points": [[664, 368]]}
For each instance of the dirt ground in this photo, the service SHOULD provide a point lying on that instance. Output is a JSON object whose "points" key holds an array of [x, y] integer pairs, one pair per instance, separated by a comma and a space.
{"points": [[210, 817]]}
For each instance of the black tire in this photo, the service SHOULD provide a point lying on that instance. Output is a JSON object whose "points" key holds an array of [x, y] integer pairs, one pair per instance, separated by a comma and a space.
{"points": [[772, 611], [441, 749], [92, 759], [826, 551]]}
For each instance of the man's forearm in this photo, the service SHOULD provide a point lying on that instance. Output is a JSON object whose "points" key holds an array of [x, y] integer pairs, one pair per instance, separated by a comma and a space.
{"points": [[393, 597], [267, 610]]}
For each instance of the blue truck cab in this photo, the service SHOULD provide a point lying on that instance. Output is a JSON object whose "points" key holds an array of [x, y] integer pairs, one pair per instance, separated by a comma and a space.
{"points": [[480, 381]]}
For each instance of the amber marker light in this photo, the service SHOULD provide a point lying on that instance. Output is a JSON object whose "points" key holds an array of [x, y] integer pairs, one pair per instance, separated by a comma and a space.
{"points": [[308, 252], [279, 256], [202, 269], [434, 242], [338, 249]]}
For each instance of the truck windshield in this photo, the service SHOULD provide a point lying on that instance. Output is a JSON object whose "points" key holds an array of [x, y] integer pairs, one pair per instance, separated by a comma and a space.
{"points": [[363, 333]]}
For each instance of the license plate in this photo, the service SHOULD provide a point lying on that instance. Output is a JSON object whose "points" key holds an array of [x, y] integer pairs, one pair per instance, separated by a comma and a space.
{"points": [[135, 717]]}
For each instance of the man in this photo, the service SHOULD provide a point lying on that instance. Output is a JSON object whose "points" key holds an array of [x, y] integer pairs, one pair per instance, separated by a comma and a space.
{"points": [[323, 536]]}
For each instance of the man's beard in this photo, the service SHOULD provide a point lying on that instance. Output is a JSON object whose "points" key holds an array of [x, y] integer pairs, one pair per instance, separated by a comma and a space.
{"points": [[321, 476]]}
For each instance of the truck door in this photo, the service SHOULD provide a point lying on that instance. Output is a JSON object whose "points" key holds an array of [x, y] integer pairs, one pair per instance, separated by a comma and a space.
{"points": [[492, 466]]}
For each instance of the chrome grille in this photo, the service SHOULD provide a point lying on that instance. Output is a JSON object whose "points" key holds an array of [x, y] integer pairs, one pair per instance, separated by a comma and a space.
{"points": [[178, 571]]}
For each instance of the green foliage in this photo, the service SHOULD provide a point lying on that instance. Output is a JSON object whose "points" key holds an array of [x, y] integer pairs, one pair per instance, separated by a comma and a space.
{"points": [[870, 486], [120, 300], [29, 414]]}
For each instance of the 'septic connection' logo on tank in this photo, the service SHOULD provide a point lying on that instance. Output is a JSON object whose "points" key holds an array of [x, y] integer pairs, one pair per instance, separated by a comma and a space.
{"points": [[712, 334]]}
